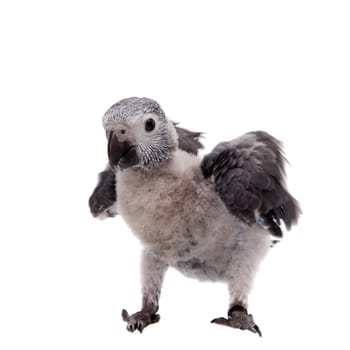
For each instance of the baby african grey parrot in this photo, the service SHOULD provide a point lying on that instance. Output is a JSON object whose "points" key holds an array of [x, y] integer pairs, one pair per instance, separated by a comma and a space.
{"points": [[211, 219]]}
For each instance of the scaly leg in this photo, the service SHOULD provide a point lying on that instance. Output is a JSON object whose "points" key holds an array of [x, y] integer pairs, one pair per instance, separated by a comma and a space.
{"points": [[242, 274], [238, 318], [153, 271]]}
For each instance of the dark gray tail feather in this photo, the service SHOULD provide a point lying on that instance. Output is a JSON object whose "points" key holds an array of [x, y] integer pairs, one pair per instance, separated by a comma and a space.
{"points": [[189, 140]]}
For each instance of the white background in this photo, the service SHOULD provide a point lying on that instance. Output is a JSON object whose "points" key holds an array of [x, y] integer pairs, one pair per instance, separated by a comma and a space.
{"points": [[223, 67]]}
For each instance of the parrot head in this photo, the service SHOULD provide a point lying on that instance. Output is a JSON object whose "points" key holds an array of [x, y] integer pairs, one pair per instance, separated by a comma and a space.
{"points": [[139, 134]]}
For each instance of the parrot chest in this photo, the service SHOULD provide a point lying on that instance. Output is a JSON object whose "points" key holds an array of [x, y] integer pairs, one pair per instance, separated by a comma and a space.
{"points": [[156, 208], [168, 210]]}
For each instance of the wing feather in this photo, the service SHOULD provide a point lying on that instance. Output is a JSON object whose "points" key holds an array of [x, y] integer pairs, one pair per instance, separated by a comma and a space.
{"points": [[249, 176], [104, 195], [188, 140]]}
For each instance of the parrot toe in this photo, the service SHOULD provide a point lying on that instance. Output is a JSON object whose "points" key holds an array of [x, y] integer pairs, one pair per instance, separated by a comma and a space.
{"points": [[240, 320], [140, 320]]}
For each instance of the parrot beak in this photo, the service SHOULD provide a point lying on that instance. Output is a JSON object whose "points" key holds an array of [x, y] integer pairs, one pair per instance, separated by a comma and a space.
{"points": [[121, 153]]}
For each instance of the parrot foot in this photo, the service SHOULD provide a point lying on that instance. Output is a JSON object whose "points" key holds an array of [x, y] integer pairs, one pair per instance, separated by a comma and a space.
{"points": [[139, 320], [238, 318]]}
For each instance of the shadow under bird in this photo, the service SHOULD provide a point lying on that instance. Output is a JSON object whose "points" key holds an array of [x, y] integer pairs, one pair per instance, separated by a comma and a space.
{"points": [[212, 219]]}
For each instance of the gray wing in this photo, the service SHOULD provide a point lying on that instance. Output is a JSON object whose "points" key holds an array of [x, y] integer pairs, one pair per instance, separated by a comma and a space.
{"points": [[104, 196], [103, 199], [188, 140], [249, 174]]}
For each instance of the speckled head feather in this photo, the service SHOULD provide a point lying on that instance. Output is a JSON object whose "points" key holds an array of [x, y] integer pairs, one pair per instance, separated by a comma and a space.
{"points": [[131, 108]]}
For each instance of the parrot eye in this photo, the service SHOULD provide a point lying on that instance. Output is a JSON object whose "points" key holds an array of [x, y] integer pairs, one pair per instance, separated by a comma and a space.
{"points": [[150, 124]]}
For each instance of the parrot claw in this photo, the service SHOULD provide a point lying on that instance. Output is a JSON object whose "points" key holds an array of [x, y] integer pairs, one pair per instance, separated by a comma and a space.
{"points": [[140, 320], [240, 320], [257, 330]]}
